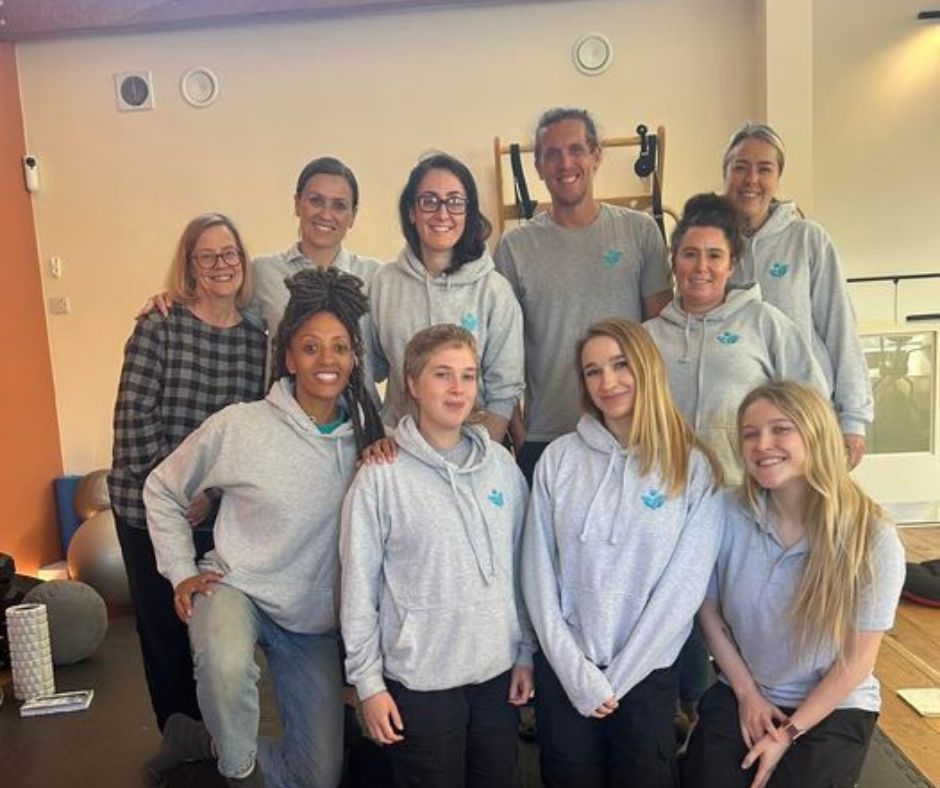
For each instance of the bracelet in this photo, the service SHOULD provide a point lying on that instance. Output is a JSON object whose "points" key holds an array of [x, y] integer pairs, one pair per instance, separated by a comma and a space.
{"points": [[792, 732]]}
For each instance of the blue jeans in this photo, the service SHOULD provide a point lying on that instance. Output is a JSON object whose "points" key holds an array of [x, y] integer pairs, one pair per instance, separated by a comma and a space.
{"points": [[307, 683]]}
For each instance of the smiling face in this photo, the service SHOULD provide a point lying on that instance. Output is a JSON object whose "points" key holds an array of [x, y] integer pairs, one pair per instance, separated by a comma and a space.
{"points": [[320, 356], [326, 213], [440, 230], [702, 265], [773, 450], [444, 392], [566, 163], [222, 281], [752, 176], [609, 381]]}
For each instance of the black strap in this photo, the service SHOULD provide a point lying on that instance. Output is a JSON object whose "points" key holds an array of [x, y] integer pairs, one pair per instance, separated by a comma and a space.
{"points": [[523, 203], [657, 190]]}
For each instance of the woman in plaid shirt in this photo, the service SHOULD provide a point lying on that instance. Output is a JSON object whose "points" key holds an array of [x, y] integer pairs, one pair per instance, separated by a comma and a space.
{"points": [[177, 371]]}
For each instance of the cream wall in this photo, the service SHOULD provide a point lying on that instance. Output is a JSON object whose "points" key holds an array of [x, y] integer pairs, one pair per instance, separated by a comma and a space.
{"points": [[375, 91], [877, 134]]}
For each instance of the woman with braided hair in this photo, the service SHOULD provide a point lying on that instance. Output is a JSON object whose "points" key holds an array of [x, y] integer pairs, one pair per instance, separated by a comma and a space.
{"points": [[282, 466]]}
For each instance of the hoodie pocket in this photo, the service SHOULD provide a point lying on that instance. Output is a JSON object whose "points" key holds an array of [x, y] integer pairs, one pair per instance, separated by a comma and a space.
{"points": [[447, 647]]}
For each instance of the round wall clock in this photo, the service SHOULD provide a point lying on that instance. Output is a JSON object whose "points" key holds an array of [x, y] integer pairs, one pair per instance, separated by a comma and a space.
{"points": [[200, 86], [134, 90]]}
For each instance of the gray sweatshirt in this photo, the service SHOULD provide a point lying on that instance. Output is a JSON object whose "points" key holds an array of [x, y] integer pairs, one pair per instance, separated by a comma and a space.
{"points": [[430, 554], [405, 298], [566, 279], [613, 571], [277, 531], [714, 360], [799, 273]]}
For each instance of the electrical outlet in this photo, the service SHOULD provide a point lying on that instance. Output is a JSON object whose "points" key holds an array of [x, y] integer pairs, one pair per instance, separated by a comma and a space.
{"points": [[55, 267], [59, 305]]}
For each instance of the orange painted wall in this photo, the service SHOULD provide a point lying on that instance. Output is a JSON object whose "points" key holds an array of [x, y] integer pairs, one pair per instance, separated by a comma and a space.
{"points": [[30, 456]]}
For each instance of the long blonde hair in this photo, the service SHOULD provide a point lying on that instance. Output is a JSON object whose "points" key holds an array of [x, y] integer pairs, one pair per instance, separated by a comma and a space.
{"points": [[659, 436], [840, 521]]}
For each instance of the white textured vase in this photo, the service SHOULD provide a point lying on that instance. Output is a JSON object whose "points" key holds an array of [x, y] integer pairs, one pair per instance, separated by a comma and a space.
{"points": [[30, 651]]}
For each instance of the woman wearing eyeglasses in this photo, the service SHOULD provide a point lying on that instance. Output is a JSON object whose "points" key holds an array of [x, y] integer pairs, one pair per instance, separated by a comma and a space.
{"points": [[445, 275], [178, 371]]}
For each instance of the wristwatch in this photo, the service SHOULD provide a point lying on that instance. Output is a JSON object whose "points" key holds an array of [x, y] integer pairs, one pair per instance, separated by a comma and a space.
{"points": [[791, 731]]}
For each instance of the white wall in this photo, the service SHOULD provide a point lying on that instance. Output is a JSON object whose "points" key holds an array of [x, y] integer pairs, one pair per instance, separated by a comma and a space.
{"points": [[375, 91], [877, 134]]}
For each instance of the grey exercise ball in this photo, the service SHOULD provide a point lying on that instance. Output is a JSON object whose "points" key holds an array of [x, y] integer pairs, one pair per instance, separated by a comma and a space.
{"points": [[91, 494], [78, 618], [94, 557]]}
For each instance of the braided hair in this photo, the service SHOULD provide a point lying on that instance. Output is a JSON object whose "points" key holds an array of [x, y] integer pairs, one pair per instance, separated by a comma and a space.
{"points": [[316, 290]]}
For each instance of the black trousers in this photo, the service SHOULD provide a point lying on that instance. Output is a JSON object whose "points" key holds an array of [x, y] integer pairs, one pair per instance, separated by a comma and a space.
{"points": [[466, 737], [634, 747], [528, 456], [829, 755], [164, 639]]}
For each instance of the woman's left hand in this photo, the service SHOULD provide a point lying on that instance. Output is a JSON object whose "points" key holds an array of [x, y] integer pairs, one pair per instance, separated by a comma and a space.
{"points": [[382, 452], [854, 449], [198, 509], [767, 754], [521, 685]]}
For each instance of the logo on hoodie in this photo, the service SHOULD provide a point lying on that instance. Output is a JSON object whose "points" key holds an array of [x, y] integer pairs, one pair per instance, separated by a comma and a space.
{"points": [[612, 258], [653, 499], [779, 270], [496, 498], [469, 321], [728, 338]]}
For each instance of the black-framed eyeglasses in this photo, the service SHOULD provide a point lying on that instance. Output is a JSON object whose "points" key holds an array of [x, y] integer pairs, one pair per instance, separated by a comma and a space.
{"points": [[429, 202], [209, 260]]}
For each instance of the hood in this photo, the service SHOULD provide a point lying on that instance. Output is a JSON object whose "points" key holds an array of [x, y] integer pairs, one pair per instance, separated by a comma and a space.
{"points": [[605, 513], [468, 485], [281, 398], [736, 298], [468, 274], [782, 215]]}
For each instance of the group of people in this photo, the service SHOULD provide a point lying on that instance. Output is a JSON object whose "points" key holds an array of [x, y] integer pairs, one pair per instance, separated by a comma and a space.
{"points": [[676, 454]]}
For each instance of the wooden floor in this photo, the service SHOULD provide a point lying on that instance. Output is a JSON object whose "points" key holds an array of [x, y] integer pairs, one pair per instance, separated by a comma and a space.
{"points": [[910, 657]]}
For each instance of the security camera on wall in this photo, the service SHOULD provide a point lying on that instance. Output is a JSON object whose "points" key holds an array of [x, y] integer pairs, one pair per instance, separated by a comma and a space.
{"points": [[31, 173]]}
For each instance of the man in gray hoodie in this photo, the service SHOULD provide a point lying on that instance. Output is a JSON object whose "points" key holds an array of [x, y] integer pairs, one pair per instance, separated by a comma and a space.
{"points": [[580, 261]]}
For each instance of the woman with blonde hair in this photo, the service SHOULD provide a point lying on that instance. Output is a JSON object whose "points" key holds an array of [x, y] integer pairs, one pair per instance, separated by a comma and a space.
{"points": [[623, 527], [797, 266], [176, 373], [807, 581]]}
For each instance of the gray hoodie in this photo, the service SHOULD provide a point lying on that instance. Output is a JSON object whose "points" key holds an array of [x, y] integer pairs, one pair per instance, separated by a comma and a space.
{"points": [[799, 273], [613, 571], [277, 531], [714, 360], [429, 552], [405, 298]]}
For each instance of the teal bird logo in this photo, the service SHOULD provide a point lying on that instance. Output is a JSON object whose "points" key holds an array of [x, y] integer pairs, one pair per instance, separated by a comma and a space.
{"points": [[728, 338], [653, 499], [612, 258], [496, 498], [469, 321], [779, 270]]}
